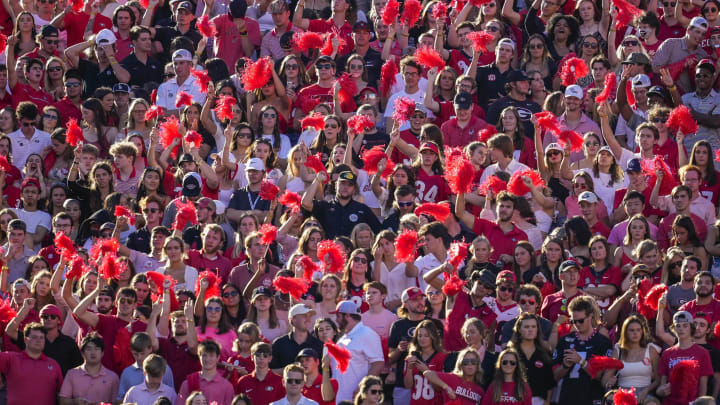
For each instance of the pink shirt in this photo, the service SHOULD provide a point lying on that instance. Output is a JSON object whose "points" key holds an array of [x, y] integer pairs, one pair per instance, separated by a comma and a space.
{"points": [[699, 206], [225, 340], [141, 394], [218, 390], [42, 388], [228, 46], [100, 388], [380, 323]]}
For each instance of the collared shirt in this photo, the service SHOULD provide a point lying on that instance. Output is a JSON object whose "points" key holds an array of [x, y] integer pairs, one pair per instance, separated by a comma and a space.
{"points": [[32, 381], [17, 266], [68, 110], [699, 206], [301, 401], [285, 349], [585, 125], [262, 392], [168, 91], [63, 350], [454, 135], [703, 105], [674, 50], [150, 71], [270, 45], [129, 185], [228, 41], [123, 47], [144, 263], [141, 394], [240, 276], [133, 375], [365, 347], [23, 147], [491, 84], [503, 242], [179, 357], [338, 219], [102, 387], [511, 168]]}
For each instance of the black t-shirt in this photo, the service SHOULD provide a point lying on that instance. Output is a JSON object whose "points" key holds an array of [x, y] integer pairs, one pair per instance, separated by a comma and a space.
{"points": [[401, 330], [339, 220], [141, 73], [490, 84], [245, 200], [285, 349], [539, 372], [369, 141], [715, 360], [577, 386], [373, 64], [94, 78], [525, 108], [140, 240], [165, 35]]}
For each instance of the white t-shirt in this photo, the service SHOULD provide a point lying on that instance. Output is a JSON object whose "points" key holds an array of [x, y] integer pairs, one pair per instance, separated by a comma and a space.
{"points": [[284, 145]]}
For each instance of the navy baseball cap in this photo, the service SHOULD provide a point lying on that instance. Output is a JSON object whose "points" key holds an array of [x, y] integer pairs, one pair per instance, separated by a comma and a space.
{"points": [[634, 165]]}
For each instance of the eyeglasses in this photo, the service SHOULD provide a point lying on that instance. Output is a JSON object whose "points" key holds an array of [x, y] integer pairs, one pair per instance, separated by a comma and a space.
{"points": [[525, 302], [657, 120], [578, 321], [630, 43], [358, 259], [509, 363], [505, 289], [50, 116], [261, 355], [73, 84], [375, 392], [126, 300], [469, 362], [592, 45], [214, 309], [49, 316], [269, 115], [356, 67], [294, 381], [668, 4], [332, 126], [54, 68], [150, 210], [28, 124], [492, 28], [324, 66], [229, 294], [536, 46], [292, 67], [405, 203], [406, 73]]}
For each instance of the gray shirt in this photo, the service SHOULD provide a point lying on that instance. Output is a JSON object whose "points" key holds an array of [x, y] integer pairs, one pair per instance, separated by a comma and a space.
{"points": [[674, 50], [17, 267], [676, 297], [704, 105]]}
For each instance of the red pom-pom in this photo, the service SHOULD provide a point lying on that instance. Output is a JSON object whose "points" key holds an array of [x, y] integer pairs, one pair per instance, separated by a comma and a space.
{"points": [[403, 109], [430, 58], [626, 13], [717, 156], [153, 97], [77, 6], [487, 133], [186, 213], [306, 41], [572, 138], [76, 268], [213, 289], [716, 330], [74, 134], [480, 40], [610, 85], [169, 131], [153, 113], [309, 267], [182, 99], [650, 171], [121, 211], [104, 248], [156, 282], [439, 211], [257, 74], [492, 183], [653, 296], [624, 397], [681, 119], [390, 12], [341, 355], [573, 70], [453, 286], [314, 163], [360, 123], [547, 121], [315, 120], [111, 268], [457, 253], [516, 185], [203, 78], [372, 158], [331, 255], [411, 12], [348, 88], [224, 107], [269, 234], [64, 245], [296, 287], [5, 166], [405, 245], [327, 48], [387, 76], [206, 27], [459, 175], [597, 364], [439, 11], [268, 190], [193, 138], [684, 378], [291, 200], [6, 312]]}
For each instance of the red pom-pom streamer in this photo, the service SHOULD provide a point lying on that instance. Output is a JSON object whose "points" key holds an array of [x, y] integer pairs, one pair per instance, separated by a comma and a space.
{"points": [[625, 397], [429, 58], [548, 122], [405, 245], [291, 200], [572, 138], [186, 213], [626, 13], [348, 88], [684, 378], [573, 70], [480, 40], [327, 48], [650, 171], [390, 12], [309, 267], [315, 120], [372, 158], [457, 254], [341, 355], [6, 312], [77, 6], [206, 27], [314, 163], [387, 76], [403, 109], [597, 364], [360, 123], [213, 289], [111, 268], [459, 175], [453, 286], [653, 296], [331, 255], [169, 131], [439, 11], [157, 281], [121, 211], [74, 134], [5, 166], [76, 268], [610, 85], [296, 287], [516, 185], [224, 106], [103, 248], [306, 41], [193, 138], [268, 190], [681, 119], [153, 97], [439, 211], [487, 133], [269, 234], [411, 12], [182, 99], [203, 79], [479, 3], [717, 156], [257, 74], [64, 245], [492, 183], [153, 113]]}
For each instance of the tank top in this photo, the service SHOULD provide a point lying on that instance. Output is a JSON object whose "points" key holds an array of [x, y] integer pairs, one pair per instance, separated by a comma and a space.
{"points": [[636, 373]]}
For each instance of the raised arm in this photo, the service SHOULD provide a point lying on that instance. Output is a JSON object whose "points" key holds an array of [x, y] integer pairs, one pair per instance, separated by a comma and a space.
{"points": [[508, 12], [429, 101], [81, 310], [308, 199], [11, 330], [465, 217], [607, 132], [298, 19]]}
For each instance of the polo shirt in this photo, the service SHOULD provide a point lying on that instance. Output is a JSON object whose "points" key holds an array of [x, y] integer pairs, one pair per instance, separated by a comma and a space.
{"points": [[675, 50], [24, 92], [23, 147], [365, 348], [503, 243], [141, 394], [221, 265], [130, 184], [285, 349], [454, 135], [68, 110], [168, 91], [140, 73], [704, 105], [314, 390], [228, 45], [556, 304], [301, 401], [98, 388], [339, 220], [165, 35], [180, 358], [600, 229], [63, 350], [490, 84], [133, 375], [262, 392], [123, 46], [94, 78], [44, 384]]}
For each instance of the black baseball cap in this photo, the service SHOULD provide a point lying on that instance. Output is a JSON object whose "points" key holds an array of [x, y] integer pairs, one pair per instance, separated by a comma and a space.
{"points": [[348, 176], [463, 100], [517, 76], [307, 352], [49, 31]]}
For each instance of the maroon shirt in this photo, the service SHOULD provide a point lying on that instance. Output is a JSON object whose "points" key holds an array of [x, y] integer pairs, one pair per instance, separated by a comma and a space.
{"points": [[462, 310], [270, 389], [30, 381], [453, 135], [503, 243], [556, 304], [180, 359], [220, 266], [68, 110]]}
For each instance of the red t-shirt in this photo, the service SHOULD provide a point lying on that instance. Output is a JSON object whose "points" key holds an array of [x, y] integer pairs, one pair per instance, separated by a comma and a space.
{"points": [[221, 265], [465, 392], [459, 61], [412, 139], [462, 310], [308, 97], [75, 24], [712, 193], [669, 31], [611, 276], [23, 92], [270, 389], [556, 304], [314, 391], [600, 229], [30, 381], [431, 187], [670, 357], [508, 395], [669, 153], [68, 110], [664, 234], [649, 209], [503, 243], [447, 111], [422, 392]]}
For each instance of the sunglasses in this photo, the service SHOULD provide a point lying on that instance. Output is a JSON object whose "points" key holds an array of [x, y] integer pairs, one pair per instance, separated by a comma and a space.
{"points": [[631, 43], [54, 68], [536, 46], [50, 116], [405, 203], [592, 45], [324, 66], [52, 42], [578, 321], [28, 124], [150, 210], [294, 381], [229, 294], [375, 392], [509, 363], [292, 67], [675, 265], [434, 293], [553, 153], [269, 115], [168, 75], [469, 362], [642, 277], [48, 316], [669, 4], [213, 309], [592, 143], [244, 135], [657, 120], [505, 289], [710, 10], [71, 85], [358, 259], [525, 302]]}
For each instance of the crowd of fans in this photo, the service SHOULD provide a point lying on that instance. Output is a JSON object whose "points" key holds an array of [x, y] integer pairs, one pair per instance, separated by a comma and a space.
{"points": [[360, 202]]}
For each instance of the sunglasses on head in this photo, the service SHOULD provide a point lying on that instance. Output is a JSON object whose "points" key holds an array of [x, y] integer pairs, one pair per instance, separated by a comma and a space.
{"points": [[525, 302]]}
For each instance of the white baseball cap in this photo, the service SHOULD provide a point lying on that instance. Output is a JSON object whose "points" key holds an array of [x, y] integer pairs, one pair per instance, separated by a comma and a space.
{"points": [[105, 37], [255, 164], [574, 90], [699, 22], [182, 55], [299, 309], [641, 80], [587, 196]]}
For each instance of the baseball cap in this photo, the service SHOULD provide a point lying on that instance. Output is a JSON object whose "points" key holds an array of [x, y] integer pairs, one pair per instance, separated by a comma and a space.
{"points": [[410, 294], [484, 276], [641, 80], [361, 26], [682, 317], [219, 207], [49, 31], [658, 90], [641, 268], [238, 8], [634, 165], [51, 309], [420, 107], [637, 58], [574, 90], [325, 59], [299, 309], [606, 149], [121, 88], [346, 307], [463, 100], [182, 54], [587, 196], [348, 176], [506, 41], [429, 146], [567, 265], [517, 76], [107, 226], [30, 182], [185, 157], [191, 184], [553, 146], [699, 22], [714, 30], [261, 291], [185, 5], [105, 37], [307, 352], [255, 164], [23, 282], [505, 276], [707, 64], [205, 202]]}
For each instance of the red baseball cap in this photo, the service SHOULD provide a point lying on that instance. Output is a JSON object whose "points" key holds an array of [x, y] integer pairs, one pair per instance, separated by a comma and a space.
{"points": [[411, 293], [30, 181], [505, 276], [431, 146]]}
